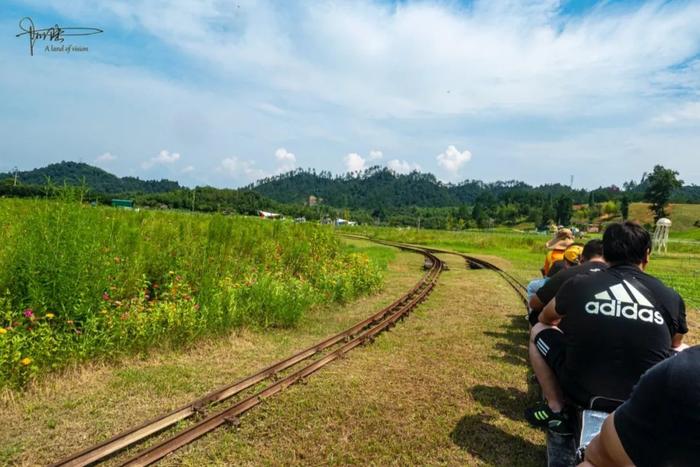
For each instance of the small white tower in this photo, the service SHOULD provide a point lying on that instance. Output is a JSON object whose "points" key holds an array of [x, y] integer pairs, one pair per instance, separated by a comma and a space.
{"points": [[660, 239]]}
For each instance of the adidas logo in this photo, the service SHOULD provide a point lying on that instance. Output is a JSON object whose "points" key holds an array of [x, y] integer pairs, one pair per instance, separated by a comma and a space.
{"points": [[624, 300]]}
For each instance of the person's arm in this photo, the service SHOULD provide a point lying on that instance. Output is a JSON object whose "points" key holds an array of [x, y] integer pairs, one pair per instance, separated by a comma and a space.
{"points": [[677, 342], [535, 303], [547, 263], [549, 313], [681, 328], [605, 450]]}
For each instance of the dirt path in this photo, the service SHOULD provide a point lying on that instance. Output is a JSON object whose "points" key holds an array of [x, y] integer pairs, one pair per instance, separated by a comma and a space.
{"points": [[447, 386]]}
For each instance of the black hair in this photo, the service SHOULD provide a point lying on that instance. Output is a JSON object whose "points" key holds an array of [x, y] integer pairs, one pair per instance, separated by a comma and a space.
{"points": [[626, 242], [592, 249]]}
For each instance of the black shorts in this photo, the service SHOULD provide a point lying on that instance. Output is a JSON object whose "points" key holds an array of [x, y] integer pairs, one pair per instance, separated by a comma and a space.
{"points": [[551, 344]]}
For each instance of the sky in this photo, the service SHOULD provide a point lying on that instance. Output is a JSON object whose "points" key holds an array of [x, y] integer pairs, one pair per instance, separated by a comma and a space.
{"points": [[222, 93]]}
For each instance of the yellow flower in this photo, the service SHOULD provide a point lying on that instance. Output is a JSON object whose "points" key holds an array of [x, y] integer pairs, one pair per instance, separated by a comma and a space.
{"points": [[3, 330], [26, 361], [50, 315]]}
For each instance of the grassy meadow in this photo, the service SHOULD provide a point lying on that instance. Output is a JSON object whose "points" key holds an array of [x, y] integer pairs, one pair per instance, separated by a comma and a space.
{"points": [[524, 254], [683, 217], [79, 282]]}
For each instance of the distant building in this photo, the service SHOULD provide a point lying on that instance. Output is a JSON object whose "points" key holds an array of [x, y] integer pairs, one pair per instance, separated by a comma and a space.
{"points": [[123, 203], [300, 220], [340, 221], [269, 215], [313, 201]]}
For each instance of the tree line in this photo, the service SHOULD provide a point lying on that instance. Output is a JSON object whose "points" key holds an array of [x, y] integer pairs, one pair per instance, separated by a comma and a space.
{"points": [[374, 196]]}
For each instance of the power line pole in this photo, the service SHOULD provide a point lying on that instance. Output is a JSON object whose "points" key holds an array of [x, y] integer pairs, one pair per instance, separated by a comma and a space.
{"points": [[15, 170], [194, 195]]}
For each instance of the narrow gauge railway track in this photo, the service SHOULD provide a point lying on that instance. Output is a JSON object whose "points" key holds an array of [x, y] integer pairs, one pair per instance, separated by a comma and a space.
{"points": [[472, 261], [359, 334], [477, 263]]}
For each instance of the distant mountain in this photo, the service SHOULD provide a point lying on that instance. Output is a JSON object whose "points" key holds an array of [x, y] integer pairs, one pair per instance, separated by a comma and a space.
{"points": [[381, 187], [100, 181]]}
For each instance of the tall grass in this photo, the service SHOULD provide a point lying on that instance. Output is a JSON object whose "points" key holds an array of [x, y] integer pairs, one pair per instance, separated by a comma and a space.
{"points": [[79, 282]]}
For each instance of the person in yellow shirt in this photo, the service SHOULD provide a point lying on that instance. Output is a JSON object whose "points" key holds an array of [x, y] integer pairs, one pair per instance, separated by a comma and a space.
{"points": [[557, 246]]}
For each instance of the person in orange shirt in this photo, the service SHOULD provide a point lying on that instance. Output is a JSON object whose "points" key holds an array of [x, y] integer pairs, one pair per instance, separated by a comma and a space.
{"points": [[557, 246]]}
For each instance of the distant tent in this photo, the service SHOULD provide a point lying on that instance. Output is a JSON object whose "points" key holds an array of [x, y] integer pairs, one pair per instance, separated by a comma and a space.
{"points": [[268, 215]]}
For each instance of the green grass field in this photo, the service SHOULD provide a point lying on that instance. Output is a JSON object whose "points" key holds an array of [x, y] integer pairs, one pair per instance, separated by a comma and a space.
{"points": [[446, 386], [524, 253]]}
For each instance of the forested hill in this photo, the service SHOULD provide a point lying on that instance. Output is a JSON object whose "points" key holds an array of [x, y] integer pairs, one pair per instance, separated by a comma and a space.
{"points": [[372, 188], [381, 187], [98, 180]]}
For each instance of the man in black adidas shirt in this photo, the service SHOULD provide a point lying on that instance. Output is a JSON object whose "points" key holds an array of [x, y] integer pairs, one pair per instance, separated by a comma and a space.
{"points": [[591, 261], [660, 423], [614, 325]]}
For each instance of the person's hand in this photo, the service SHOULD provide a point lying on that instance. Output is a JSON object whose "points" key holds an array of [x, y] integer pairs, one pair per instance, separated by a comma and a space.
{"points": [[680, 348]]}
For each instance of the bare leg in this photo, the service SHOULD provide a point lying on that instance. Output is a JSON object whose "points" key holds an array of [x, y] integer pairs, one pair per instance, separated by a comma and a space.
{"points": [[548, 381]]}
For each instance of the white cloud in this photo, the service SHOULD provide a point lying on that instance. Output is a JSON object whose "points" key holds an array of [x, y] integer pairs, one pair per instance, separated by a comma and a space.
{"points": [[509, 56], [355, 162], [286, 161], [402, 167], [270, 108], [188, 169], [106, 157], [496, 73], [452, 160], [237, 168], [375, 154], [164, 157], [686, 114]]}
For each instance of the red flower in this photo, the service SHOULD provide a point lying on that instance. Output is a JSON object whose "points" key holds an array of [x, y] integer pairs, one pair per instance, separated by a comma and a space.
{"points": [[105, 296], [28, 313]]}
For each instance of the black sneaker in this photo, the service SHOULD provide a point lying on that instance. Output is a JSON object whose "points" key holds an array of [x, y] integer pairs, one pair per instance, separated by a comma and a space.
{"points": [[542, 416]]}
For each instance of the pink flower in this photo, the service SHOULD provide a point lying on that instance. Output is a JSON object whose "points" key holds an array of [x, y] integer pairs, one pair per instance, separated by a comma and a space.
{"points": [[28, 313]]}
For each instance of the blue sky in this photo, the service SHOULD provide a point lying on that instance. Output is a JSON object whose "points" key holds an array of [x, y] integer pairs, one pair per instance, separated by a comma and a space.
{"points": [[224, 92]]}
